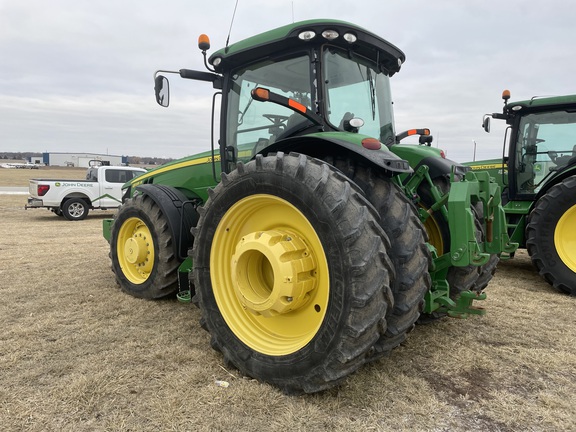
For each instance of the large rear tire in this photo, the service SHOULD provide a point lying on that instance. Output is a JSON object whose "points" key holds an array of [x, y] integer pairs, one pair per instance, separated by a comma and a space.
{"points": [[291, 272], [141, 250], [410, 256], [551, 236]]}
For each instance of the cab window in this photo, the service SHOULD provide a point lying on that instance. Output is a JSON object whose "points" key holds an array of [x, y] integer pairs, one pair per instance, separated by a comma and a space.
{"points": [[545, 145], [356, 88], [253, 125]]}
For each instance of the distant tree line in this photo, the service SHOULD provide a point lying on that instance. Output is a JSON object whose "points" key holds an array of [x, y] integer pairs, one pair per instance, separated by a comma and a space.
{"points": [[19, 155], [132, 160], [143, 160]]}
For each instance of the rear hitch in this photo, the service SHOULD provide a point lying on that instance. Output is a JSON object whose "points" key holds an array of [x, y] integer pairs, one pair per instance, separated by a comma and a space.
{"points": [[463, 307], [438, 298]]}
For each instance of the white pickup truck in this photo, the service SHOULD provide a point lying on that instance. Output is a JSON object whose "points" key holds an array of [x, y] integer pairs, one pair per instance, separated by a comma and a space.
{"points": [[72, 199]]}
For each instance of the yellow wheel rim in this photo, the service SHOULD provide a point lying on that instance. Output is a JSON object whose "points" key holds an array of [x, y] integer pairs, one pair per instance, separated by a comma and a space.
{"points": [[269, 275], [565, 238], [434, 234], [135, 250]]}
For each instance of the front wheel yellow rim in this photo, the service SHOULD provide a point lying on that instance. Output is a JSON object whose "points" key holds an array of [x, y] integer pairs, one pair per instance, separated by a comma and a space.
{"points": [[565, 238], [269, 275], [135, 249]]}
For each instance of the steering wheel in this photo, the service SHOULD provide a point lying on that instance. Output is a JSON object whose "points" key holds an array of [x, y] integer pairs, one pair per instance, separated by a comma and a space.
{"points": [[276, 119], [553, 156]]}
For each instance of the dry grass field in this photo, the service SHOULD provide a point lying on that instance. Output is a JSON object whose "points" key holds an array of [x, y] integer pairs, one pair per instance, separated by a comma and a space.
{"points": [[76, 354]]}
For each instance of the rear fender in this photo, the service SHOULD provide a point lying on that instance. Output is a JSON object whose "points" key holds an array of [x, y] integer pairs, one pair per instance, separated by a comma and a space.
{"points": [[561, 176], [342, 144], [438, 167], [180, 212], [432, 157]]}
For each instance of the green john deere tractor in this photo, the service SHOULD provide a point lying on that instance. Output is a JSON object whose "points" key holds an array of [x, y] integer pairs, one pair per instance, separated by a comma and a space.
{"points": [[538, 181], [301, 237]]}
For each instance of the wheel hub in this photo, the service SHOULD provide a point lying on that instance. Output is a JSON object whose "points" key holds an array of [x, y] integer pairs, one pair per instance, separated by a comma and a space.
{"points": [[135, 246], [76, 210], [135, 249], [274, 272]]}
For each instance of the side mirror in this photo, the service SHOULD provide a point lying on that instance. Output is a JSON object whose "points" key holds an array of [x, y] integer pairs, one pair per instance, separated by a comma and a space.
{"points": [[486, 123], [162, 90]]}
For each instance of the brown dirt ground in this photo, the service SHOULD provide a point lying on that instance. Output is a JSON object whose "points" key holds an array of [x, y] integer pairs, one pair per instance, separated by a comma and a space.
{"points": [[76, 354]]}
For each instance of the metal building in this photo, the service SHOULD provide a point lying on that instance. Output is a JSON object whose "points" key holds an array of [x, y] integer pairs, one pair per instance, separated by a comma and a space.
{"points": [[81, 159]]}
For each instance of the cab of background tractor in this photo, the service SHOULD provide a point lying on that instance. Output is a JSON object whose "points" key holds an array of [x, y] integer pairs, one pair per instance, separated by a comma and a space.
{"points": [[541, 146], [538, 177]]}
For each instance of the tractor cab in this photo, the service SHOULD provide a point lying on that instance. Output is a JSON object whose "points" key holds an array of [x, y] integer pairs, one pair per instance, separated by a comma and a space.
{"points": [[539, 184], [544, 147], [542, 144], [302, 79]]}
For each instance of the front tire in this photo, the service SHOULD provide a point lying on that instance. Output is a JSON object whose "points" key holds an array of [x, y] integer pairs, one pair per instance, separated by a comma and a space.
{"points": [[291, 272], [551, 236], [141, 250]]}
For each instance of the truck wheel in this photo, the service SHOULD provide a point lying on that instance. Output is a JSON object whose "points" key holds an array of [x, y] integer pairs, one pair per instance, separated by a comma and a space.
{"points": [[75, 209], [291, 272], [551, 236], [408, 251], [141, 250]]}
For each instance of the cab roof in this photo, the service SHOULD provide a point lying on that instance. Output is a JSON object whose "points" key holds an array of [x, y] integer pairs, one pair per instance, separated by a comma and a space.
{"points": [[264, 45], [543, 103]]}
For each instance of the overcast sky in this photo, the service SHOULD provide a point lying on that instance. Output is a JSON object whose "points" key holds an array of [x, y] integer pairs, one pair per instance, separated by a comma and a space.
{"points": [[76, 75]]}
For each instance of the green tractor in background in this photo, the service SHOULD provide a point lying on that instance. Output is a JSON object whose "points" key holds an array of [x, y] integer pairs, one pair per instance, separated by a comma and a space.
{"points": [[301, 237], [538, 180]]}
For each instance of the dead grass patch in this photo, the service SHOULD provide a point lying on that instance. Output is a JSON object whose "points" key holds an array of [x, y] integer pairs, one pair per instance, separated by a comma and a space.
{"points": [[76, 354]]}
